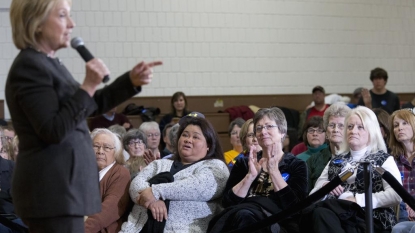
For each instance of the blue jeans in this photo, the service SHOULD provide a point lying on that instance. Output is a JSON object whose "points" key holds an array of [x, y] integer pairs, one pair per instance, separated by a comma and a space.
{"points": [[404, 227]]}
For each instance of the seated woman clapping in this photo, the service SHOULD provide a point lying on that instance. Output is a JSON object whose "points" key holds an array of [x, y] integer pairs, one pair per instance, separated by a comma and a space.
{"points": [[257, 189], [114, 181], [180, 195]]}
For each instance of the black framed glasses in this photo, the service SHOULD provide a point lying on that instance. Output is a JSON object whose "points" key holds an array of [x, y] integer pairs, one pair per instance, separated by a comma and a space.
{"points": [[133, 143]]}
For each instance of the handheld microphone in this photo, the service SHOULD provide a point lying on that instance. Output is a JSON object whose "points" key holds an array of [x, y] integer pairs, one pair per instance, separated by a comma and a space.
{"points": [[78, 44]]}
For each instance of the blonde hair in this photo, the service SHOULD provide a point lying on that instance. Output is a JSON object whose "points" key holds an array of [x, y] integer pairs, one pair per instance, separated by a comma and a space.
{"points": [[371, 125], [397, 149], [118, 149], [26, 16]]}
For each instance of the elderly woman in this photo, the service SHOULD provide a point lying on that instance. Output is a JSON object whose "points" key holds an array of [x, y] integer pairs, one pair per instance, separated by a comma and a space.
{"points": [[180, 195], [135, 143], [248, 139], [49, 109], [402, 144], [233, 131], [152, 131], [314, 136], [114, 181], [362, 141], [333, 120], [256, 189]]}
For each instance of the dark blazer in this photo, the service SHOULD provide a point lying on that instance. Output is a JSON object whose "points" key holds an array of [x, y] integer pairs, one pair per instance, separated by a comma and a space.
{"points": [[116, 201], [56, 172]]}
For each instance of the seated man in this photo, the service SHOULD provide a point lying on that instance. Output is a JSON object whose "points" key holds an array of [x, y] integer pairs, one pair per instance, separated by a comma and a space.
{"points": [[110, 118]]}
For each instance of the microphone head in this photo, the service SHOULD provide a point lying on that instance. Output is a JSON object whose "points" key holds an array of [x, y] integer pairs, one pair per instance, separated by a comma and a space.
{"points": [[76, 42]]}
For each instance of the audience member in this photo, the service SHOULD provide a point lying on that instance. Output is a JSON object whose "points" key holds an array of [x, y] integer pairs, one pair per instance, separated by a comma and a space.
{"points": [[314, 136], [114, 181], [6, 151], [402, 144], [152, 131], [318, 94], [9, 133], [135, 142], [333, 121], [409, 104], [362, 141], [357, 94], [248, 139], [119, 130], [179, 109], [15, 144], [166, 139], [379, 96], [9, 221], [180, 195], [383, 119], [111, 118], [233, 131], [257, 189]]}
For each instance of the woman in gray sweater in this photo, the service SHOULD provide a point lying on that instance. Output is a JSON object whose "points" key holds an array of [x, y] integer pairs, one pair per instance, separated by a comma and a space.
{"points": [[180, 195]]}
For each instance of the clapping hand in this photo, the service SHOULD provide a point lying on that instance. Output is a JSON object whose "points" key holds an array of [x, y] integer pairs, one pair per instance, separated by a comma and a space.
{"points": [[150, 157], [254, 165]]}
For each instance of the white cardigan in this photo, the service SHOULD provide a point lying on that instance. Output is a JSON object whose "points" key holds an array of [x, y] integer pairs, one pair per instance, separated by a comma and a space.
{"points": [[192, 195]]}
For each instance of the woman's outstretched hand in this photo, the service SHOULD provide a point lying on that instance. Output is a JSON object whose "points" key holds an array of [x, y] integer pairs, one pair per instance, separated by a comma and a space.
{"points": [[142, 73]]}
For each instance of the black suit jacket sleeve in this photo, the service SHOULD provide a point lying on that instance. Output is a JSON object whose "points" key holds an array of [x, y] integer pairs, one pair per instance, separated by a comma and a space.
{"points": [[51, 117]]}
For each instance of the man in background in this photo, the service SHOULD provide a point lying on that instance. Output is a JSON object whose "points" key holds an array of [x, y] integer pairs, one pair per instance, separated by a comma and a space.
{"points": [[379, 96], [110, 118]]}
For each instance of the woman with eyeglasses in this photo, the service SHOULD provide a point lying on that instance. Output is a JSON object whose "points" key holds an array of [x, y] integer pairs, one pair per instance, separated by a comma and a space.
{"points": [[152, 131], [333, 121], [135, 143], [402, 144], [314, 136], [362, 141], [233, 131], [114, 181], [248, 139], [259, 188]]}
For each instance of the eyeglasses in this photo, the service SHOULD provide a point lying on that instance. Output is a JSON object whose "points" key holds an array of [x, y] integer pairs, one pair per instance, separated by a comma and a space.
{"points": [[250, 135], [258, 129], [333, 126], [311, 131], [134, 143], [8, 138], [153, 135], [233, 133], [104, 147]]}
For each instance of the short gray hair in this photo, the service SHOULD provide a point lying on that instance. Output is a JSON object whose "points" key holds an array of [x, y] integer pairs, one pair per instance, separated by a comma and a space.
{"points": [[146, 126], [338, 109], [134, 134], [275, 114]]}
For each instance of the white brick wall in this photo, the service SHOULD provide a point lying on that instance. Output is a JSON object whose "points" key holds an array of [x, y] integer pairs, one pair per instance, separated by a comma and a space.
{"points": [[232, 47]]}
